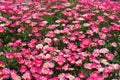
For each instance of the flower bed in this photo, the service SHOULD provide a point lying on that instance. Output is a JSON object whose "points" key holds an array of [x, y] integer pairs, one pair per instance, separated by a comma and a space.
{"points": [[60, 40]]}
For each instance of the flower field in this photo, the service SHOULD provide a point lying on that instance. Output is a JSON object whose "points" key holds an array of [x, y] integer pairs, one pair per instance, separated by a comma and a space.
{"points": [[59, 40]]}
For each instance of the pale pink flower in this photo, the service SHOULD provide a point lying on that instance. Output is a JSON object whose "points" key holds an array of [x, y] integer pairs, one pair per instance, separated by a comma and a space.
{"points": [[114, 44], [101, 42], [104, 50], [39, 46]]}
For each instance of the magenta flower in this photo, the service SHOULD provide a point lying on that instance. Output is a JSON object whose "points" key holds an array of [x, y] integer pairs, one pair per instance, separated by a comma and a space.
{"points": [[26, 76], [96, 53], [2, 64], [0, 43], [60, 60], [6, 71], [54, 78], [94, 74], [10, 55], [81, 75], [64, 0], [23, 69], [2, 29], [1, 73], [107, 70], [50, 34], [36, 76], [109, 56], [43, 23], [105, 30], [88, 65], [101, 18]]}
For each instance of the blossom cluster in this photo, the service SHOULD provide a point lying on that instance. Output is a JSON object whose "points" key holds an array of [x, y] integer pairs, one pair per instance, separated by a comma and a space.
{"points": [[59, 40]]}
